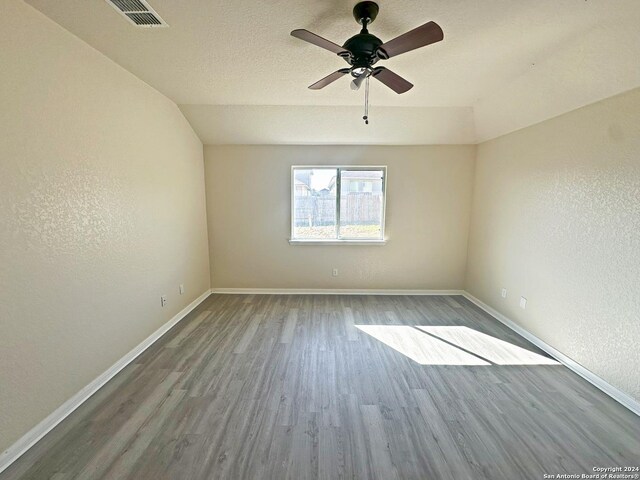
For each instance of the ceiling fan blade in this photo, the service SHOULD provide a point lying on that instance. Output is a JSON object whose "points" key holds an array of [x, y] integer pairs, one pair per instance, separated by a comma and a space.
{"points": [[418, 37], [307, 36], [392, 80], [329, 79]]}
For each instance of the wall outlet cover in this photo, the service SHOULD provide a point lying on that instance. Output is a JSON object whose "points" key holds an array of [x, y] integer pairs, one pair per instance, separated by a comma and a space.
{"points": [[523, 303]]}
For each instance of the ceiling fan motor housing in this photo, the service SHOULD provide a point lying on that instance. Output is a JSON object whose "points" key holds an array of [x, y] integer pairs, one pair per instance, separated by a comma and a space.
{"points": [[363, 49]]}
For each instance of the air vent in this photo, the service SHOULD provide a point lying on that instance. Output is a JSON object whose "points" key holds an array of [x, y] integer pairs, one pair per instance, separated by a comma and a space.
{"points": [[144, 19], [138, 12]]}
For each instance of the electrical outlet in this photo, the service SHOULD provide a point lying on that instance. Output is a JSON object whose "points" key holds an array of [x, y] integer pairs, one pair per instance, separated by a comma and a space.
{"points": [[335, 272], [181, 288], [504, 293], [163, 300], [523, 303]]}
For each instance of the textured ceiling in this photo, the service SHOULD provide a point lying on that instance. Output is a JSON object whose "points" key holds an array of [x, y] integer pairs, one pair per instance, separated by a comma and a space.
{"points": [[514, 62]]}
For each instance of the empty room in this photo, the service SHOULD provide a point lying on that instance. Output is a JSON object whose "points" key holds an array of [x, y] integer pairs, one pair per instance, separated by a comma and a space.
{"points": [[319, 239]]}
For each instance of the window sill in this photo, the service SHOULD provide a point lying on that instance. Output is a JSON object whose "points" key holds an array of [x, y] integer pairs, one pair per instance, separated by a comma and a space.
{"points": [[337, 242]]}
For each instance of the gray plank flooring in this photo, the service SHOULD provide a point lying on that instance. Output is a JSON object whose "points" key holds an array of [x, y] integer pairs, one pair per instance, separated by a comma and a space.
{"points": [[278, 387]]}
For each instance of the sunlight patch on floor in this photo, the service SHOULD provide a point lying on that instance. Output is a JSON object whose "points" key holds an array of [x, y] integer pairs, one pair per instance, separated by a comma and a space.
{"points": [[419, 347], [491, 348], [452, 345]]}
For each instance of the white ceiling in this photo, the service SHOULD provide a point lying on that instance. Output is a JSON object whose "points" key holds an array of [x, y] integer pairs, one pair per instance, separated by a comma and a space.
{"points": [[511, 63]]}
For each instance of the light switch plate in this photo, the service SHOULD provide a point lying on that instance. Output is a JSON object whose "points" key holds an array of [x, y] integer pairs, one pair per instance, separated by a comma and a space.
{"points": [[523, 303]]}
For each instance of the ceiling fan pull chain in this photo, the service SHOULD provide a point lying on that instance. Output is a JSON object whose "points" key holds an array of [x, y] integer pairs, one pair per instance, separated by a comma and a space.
{"points": [[366, 102]]}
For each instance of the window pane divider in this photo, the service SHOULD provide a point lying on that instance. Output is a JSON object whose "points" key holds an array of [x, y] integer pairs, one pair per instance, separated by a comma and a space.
{"points": [[338, 194]]}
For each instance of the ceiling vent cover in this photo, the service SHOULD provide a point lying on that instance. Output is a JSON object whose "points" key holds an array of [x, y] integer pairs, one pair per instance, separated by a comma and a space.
{"points": [[138, 12]]}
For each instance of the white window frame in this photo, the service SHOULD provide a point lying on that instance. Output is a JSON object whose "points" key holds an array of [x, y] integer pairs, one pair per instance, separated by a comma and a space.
{"points": [[339, 240]]}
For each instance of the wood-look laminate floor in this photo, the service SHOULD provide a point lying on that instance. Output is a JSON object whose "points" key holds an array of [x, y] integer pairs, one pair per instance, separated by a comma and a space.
{"points": [[276, 387]]}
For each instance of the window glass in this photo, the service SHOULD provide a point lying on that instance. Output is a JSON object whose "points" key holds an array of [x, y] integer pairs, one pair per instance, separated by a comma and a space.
{"points": [[361, 204], [314, 203]]}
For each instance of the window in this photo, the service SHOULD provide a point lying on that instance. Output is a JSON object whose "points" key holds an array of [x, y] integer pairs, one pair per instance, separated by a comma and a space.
{"points": [[337, 203]]}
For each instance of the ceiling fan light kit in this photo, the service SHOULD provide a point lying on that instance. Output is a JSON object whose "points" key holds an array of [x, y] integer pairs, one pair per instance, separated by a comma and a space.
{"points": [[364, 50]]}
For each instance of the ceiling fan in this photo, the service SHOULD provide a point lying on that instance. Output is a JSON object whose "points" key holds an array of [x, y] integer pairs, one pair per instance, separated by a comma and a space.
{"points": [[364, 50]]}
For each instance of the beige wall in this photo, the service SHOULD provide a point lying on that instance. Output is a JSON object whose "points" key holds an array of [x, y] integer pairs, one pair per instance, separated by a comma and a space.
{"points": [[101, 211], [428, 204], [556, 219]]}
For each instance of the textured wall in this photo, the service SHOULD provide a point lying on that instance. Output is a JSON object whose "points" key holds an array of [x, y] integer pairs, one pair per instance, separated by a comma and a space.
{"points": [[102, 210], [556, 219], [428, 204]]}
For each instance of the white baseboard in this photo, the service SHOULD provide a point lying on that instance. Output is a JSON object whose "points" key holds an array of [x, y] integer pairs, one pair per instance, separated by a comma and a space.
{"points": [[63, 411], [330, 291], [588, 375]]}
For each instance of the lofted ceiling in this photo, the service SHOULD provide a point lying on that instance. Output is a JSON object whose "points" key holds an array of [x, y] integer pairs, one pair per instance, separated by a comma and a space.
{"points": [[232, 66]]}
